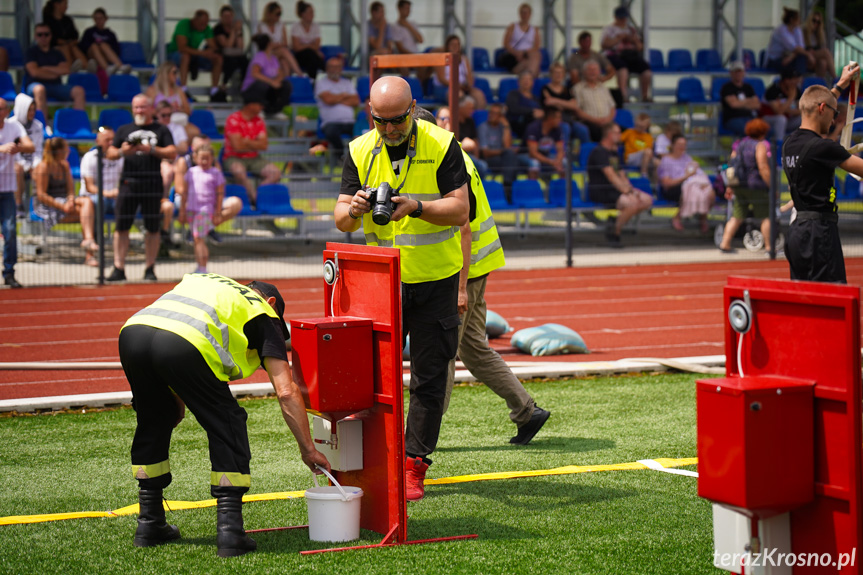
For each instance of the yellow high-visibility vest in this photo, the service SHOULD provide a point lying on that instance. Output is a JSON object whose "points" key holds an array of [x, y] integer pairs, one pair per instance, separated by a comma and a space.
{"points": [[486, 253]]}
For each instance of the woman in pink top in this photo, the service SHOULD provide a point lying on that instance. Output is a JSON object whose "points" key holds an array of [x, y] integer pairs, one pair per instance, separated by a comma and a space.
{"points": [[201, 205], [465, 74], [265, 79], [165, 89], [683, 180], [272, 26]]}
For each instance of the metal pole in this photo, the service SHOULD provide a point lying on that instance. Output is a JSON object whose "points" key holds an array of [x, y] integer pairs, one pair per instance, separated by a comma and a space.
{"points": [[253, 17], [449, 19], [830, 26], [364, 37], [548, 26], [774, 186], [567, 30], [718, 6], [160, 31], [645, 29], [346, 26], [25, 21], [567, 150], [468, 37], [738, 32], [100, 213]]}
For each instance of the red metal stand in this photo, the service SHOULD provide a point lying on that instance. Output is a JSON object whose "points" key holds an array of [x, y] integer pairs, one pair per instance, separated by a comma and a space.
{"points": [[368, 285]]}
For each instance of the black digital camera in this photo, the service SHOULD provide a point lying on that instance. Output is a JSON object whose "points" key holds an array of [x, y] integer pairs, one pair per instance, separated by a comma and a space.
{"points": [[136, 140], [381, 199]]}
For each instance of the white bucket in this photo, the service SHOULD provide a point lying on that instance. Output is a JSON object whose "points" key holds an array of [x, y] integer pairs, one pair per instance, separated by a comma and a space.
{"points": [[334, 511]]}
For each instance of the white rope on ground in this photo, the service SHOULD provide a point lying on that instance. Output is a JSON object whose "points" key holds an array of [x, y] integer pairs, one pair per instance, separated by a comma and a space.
{"points": [[60, 365], [679, 365], [655, 465]]}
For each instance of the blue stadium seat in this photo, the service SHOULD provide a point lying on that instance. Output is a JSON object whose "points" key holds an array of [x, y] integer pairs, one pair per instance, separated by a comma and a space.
{"points": [[505, 86], [528, 194], [538, 84], [331, 51], [757, 85], [238, 191], [72, 124], [90, 83], [624, 119], [481, 61], [708, 60], [497, 54], [642, 184], [545, 60], [480, 117], [74, 162], [483, 85], [132, 53], [495, 195], [206, 122], [813, 81], [851, 188], [303, 91], [657, 63], [689, 91], [584, 153], [748, 59], [123, 87], [115, 117], [275, 200], [416, 90], [557, 193], [679, 60], [13, 50], [7, 88], [363, 88], [716, 84]]}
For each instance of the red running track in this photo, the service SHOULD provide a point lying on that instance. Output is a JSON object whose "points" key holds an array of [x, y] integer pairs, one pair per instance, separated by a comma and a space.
{"points": [[639, 311]]}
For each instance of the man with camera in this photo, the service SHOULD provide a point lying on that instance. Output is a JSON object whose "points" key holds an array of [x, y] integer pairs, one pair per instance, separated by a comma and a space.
{"points": [[419, 168], [143, 145]]}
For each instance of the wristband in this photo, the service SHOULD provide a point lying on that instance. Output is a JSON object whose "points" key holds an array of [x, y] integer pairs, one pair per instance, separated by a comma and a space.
{"points": [[351, 213]]}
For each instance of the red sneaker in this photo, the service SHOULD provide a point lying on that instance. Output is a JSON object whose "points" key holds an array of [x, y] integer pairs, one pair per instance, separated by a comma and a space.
{"points": [[415, 474]]}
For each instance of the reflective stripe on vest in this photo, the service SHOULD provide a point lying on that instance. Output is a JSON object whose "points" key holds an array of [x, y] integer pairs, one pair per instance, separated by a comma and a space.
{"points": [[486, 251], [428, 252]]}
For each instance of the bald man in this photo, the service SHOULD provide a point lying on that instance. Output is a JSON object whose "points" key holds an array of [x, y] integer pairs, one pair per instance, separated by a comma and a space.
{"points": [[424, 164], [813, 249]]}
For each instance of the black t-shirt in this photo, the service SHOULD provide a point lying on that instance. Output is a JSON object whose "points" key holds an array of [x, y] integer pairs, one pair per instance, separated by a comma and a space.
{"points": [[467, 129], [451, 173], [265, 336], [810, 178], [599, 186], [62, 28], [52, 57], [741, 93], [143, 166]]}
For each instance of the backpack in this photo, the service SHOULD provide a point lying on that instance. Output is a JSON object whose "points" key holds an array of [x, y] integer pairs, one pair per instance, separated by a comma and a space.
{"points": [[739, 171]]}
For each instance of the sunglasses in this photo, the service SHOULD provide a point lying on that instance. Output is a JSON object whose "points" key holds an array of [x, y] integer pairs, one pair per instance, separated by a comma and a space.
{"points": [[168, 115], [43, 34], [835, 110], [395, 120]]}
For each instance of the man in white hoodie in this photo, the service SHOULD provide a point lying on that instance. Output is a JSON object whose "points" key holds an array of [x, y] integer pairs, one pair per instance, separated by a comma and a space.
{"points": [[25, 114]]}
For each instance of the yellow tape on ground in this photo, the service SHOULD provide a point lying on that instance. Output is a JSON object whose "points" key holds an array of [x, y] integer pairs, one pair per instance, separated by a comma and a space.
{"points": [[179, 505]]}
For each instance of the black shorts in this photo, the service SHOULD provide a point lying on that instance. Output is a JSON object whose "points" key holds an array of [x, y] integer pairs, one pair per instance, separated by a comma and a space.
{"points": [[506, 61], [813, 249], [632, 60], [603, 194], [144, 194]]}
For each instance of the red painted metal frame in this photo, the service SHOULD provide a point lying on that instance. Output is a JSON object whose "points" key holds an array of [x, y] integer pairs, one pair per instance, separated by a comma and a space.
{"points": [[811, 331]]}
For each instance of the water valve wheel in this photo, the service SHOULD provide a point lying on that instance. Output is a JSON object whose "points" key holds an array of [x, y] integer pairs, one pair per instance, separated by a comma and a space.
{"points": [[329, 272], [740, 316]]}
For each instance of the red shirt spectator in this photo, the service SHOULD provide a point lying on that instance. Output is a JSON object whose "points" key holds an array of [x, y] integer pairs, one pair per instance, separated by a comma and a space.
{"points": [[245, 128]]}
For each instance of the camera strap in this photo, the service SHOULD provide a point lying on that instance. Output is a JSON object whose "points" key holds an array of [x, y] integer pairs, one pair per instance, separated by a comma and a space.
{"points": [[411, 154]]}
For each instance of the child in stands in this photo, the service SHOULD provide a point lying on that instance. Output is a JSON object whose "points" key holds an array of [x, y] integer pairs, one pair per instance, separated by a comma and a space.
{"points": [[638, 145], [201, 204]]}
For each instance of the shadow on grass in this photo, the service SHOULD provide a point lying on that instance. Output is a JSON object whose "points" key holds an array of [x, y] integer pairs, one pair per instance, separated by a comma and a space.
{"points": [[562, 444]]}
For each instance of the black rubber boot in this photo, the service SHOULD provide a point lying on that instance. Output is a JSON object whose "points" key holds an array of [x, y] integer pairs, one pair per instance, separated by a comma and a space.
{"points": [[231, 538], [152, 527]]}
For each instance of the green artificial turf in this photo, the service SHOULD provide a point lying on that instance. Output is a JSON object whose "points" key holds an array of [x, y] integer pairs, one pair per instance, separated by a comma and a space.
{"points": [[616, 522]]}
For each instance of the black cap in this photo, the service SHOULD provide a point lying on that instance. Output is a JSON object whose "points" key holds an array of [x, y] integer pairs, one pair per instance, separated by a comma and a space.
{"points": [[253, 98], [621, 12], [270, 291]]}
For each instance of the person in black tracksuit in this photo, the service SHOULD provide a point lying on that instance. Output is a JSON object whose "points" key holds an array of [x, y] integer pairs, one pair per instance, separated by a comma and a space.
{"points": [[813, 249]]}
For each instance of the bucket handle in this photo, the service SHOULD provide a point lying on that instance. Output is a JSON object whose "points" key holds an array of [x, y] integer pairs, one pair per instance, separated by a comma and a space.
{"points": [[333, 479]]}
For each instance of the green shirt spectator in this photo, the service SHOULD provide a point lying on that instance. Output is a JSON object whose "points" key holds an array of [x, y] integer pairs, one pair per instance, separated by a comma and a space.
{"points": [[194, 38]]}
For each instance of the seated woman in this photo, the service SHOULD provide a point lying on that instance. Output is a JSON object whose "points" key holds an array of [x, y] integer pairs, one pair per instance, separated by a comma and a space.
{"points": [[555, 94], [64, 35], [465, 76], [265, 80], [815, 41], [683, 181], [521, 43], [100, 44], [271, 25], [752, 191], [55, 194], [165, 89], [521, 107], [786, 50], [306, 41]]}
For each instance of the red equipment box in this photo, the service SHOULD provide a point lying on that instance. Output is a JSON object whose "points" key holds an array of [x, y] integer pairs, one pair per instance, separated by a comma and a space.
{"points": [[755, 443], [333, 364]]}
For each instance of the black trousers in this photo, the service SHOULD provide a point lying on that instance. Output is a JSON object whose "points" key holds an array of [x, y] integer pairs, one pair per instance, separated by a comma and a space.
{"points": [[430, 317], [275, 98], [158, 361], [813, 249]]}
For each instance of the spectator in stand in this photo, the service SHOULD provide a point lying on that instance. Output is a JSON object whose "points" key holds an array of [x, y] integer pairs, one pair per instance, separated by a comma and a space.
{"points": [[781, 110], [521, 43], [815, 41], [596, 105], [111, 172], [663, 141], [544, 140], [166, 89], [495, 144], [64, 35], [624, 48], [193, 41], [381, 34], [586, 52], [245, 139], [13, 140], [336, 97], [44, 67], [556, 95], [228, 35], [739, 101], [164, 115], [25, 114], [272, 26], [522, 108], [265, 80], [465, 75], [306, 40], [201, 203], [467, 131], [142, 145], [4, 59], [55, 194], [683, 181], [607, 184], [638, 145], [786, 49], [406, 35], [100, 44], [752, 192]]}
